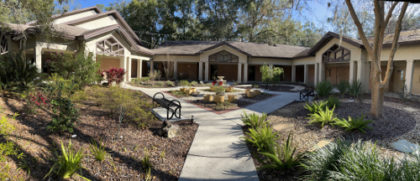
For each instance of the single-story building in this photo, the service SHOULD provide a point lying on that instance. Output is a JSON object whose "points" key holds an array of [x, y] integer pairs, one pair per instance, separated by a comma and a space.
{"points": [[113, 43]]}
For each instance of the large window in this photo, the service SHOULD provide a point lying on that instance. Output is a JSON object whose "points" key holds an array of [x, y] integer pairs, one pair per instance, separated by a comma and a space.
{"points": [[336, 54], [223, 57], [4, 47]]}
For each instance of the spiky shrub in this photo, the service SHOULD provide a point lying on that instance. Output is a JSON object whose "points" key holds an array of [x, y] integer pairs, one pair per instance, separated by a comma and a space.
{"points": [[17, 72], [254, 120], [358, 161], [263, 138], [98, 151], [323, 117], [352, 124], [284, 156], [343, 87], [323, 89], [355, 89], [68, 163], [316, 106], [333, 101]]}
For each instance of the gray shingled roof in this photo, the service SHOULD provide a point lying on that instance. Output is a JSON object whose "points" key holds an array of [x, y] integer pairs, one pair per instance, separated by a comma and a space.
{"points": [[251, 49]]}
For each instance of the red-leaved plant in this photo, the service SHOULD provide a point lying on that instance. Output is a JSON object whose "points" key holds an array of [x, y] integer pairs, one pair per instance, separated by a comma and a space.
{"points": [[115, 75], [38, 99]]}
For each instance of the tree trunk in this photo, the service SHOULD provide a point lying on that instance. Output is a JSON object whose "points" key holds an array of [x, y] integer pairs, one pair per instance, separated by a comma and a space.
{"points": [[377, 92]]}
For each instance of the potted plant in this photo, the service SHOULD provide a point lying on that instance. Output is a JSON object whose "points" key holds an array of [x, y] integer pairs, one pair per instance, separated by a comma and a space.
{"points": [[208, 98], [231, 98]]}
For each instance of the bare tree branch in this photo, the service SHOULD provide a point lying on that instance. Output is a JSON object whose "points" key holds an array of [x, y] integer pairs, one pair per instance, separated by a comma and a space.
{"points": [[359, 28], [394, 45]]}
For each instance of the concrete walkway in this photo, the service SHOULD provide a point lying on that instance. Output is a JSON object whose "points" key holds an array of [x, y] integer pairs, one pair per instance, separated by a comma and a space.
{"points": [[218, 151]]}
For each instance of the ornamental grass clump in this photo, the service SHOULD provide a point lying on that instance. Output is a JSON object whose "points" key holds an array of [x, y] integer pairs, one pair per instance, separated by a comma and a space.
{"points": [[263, 138], [316, 106], [351, 124], [323, 89], [98, 151], [323, 117]]}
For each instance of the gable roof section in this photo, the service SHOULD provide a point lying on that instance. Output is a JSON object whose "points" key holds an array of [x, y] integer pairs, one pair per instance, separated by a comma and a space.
{"points": [[247, 48], [113, 13], [56, 16]]}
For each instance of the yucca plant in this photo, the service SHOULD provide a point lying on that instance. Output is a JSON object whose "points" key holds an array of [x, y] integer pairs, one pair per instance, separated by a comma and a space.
{"points": [[316, 106], [352, 124], [263, 138], [254, 121], [284, 157], [343, 87], [323, 117], [355, 89], [98, 151], [68, 163]]}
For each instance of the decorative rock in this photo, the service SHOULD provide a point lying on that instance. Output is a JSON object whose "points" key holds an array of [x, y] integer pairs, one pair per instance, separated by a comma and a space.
{"points": [[405, 146], [169, 130]]}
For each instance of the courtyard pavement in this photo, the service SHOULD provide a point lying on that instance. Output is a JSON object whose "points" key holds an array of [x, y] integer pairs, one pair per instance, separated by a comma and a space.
{"points": [[218, 151]]}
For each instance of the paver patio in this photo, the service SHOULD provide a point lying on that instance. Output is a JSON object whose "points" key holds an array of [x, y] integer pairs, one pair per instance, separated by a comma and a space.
{"points": [[218, 151]]}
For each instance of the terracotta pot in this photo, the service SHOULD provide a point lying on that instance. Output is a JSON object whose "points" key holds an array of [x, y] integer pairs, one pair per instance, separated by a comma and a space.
{"points": [[219, 99], [212, 88], [194, 90], [229, 89], [248, 93], [231, 98], [208, 98]]}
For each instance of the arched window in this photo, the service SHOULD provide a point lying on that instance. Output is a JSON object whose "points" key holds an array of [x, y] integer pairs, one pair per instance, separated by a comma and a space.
{"points": [[109, 47], [4, 47], [223, 57], [336, 54]]}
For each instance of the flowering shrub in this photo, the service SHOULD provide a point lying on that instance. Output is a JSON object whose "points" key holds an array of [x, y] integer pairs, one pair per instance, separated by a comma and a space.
{"points": [[220, 83], [38, 98], [214, 83], [115, 74]]}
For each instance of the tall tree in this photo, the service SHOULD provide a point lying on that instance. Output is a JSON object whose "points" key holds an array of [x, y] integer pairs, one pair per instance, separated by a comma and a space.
{"points": [[374, 48]]}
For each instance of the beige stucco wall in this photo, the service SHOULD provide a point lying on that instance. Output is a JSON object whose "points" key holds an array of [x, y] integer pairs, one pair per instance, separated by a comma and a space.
{"points": [[99, 23], [303, 61], [416, 79], [74, 17], [404, 52]]}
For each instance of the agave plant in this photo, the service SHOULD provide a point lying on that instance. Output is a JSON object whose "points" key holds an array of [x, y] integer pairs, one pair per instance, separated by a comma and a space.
{"points": [[284, 157], [323, 117], [68, 163]]}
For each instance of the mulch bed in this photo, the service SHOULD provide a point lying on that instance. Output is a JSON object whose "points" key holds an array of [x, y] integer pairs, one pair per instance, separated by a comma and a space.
{"points": [[395, 124], [124, 142]]}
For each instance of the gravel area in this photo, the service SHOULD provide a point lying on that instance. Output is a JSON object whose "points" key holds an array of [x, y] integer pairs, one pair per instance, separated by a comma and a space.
{"points": [[126, 145]]}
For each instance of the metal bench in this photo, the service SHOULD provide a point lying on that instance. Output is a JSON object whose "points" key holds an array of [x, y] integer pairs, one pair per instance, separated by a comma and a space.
{"points": [[306, 93], [173, 107]]}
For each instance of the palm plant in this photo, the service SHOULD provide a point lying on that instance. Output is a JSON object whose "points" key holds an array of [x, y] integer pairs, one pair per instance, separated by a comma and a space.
{"points": [[68, 163], [352, 124], [284, 157], [323, 117], [263, 138], [254, 121], [316, 106]]}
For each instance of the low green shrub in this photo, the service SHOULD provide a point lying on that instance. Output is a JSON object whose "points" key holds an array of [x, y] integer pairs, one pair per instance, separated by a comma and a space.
{"points": [[284, 157], [5, 127], [333, 101], [355, 89], [316, 106], [323, 89], [254, 121], [352, 124], [98, 151], [65, 115], [323, 117], [67, 164], [358, 161], [263, 138], [194, 83], [184, 83], [343, 87], [17, 72]]}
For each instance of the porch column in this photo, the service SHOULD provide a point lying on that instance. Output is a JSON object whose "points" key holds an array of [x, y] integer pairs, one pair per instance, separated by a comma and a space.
{"points": [[239, 72], [206, 71], [175, 70], [293, 73], [409, 76], [139, 68], [38, 58], [321, 72], [305, 73], [152, 68], [351, 72], [245, 72], [129, 68], [316, 67], [200, 71]]}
